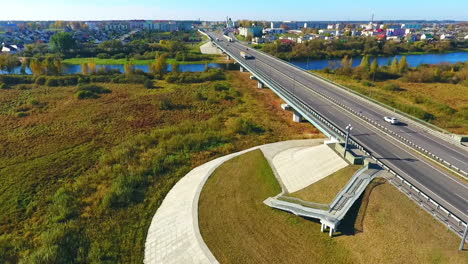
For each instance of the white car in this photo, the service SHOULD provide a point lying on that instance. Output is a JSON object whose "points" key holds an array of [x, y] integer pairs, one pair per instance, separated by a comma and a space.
{"points": [[390, 119]]}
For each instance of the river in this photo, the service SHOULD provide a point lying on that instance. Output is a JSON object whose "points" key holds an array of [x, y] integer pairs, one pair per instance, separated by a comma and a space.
{"points": [[413, 60]]}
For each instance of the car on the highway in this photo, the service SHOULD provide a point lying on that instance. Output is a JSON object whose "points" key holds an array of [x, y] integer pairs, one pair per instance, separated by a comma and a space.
{"points": [[390, 119]]}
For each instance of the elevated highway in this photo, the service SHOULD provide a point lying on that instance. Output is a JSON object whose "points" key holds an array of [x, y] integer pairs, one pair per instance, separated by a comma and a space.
{"points": [[332, 108]]}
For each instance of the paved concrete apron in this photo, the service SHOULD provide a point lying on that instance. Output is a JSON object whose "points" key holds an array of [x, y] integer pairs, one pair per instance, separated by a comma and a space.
{"points": [[174, 235]]}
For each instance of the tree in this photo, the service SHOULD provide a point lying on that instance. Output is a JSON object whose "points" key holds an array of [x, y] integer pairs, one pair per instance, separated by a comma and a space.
{"points": [[394, 67], [403, 65], [365, 63], [129, 68], [62, 42], [346, 65], [92, 67], [84, 68], [175, 67], [9, 62], [374, 67], [159, 66]]}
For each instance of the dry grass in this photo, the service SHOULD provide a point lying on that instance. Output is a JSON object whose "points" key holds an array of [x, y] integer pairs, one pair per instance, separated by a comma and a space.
{"points": [[239, 228], [85, 145], [332, 185], [433, 98]]}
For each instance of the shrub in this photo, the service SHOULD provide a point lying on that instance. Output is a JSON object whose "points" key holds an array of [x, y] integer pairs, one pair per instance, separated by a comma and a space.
{"points": [[40, 80], [86, 95], [103, 56], [368, 84], [94, 89], [119, 56], [165, 104], [21, 114], [148, 84], [22, 87], [52, 82], [4, 86], [392, 87], [15, 79], [245, 126]]}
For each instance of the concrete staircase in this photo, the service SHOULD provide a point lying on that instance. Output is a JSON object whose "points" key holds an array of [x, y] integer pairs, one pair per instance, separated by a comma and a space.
{"points": [[329, 215]]}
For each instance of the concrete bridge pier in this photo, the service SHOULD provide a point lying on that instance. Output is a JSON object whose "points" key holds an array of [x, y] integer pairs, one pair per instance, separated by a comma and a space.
{"points": [[241, 69], [297, 117], [260, 85]]}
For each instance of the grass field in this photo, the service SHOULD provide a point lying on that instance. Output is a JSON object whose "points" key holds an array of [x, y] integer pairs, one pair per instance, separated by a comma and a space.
{"points": [[332, 184], [448, 103], [244, 230], [79, 61], [80, 180]]}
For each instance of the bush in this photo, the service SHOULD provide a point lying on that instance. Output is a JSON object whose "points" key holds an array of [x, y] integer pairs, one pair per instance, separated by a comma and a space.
{"points": [[15, 79], [148, 84], [392, 87], [119, 56], [196, 77], [61, 81], [86, 95], [52, 82], [165, 104], [22, 87], [40, 80], [4, 86], [94, 89], [103, 56], [368, 84], [245, 126], [21, 114]]}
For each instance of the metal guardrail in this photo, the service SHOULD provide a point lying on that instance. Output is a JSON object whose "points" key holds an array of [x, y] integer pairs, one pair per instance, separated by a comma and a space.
{"points": [[400, 138], [289, 98]]}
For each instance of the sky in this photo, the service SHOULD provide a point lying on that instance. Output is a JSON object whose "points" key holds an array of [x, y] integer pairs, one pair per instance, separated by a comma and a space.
{"points": [[334, 10]]}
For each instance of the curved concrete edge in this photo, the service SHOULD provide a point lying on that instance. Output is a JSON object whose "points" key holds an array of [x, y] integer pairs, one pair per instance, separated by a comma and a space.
{"points": [[174, 235]]}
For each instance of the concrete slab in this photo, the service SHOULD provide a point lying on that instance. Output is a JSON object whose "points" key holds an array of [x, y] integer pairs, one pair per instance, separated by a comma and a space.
{"points": [[209, 48], [174, 235], [302, 166]]}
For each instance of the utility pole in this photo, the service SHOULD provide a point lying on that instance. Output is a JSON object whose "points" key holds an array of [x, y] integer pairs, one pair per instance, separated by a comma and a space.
{"points": [[462, 244]]}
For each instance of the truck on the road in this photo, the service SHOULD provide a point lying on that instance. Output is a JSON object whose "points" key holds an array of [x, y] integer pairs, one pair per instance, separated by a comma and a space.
{"points": [[245, 55], [228, 38]]}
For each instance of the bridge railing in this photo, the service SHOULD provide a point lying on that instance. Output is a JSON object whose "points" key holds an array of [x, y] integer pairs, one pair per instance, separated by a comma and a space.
{"points": [[311, 114]]}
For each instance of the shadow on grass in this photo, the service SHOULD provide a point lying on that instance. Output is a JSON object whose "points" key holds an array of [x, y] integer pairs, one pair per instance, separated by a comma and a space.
{"points": [[353, 222]]}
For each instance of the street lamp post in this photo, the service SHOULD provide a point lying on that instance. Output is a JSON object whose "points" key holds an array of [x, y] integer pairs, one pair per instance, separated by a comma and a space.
{"points": [[462, 244], [348, 131]]}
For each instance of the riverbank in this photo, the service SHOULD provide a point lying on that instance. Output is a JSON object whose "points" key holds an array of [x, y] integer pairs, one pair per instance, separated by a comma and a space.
{"points": [[79, 61]]}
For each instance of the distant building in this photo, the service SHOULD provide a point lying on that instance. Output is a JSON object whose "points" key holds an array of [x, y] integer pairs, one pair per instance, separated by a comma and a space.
{"points": [[274, 31], [8, 27], [446, 37], [253, 31], [427, 37]]}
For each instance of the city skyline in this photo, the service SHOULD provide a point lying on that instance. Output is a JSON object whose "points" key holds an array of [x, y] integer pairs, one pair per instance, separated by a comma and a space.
{"points": [[359, 10]]}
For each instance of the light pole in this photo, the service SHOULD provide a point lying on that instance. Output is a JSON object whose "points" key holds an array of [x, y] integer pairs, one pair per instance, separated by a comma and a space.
{"points": [[348, 131], [462, 244]]}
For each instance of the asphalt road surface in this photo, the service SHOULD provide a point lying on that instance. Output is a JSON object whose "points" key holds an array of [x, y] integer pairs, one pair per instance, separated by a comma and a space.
{"points": [[441, 186]]}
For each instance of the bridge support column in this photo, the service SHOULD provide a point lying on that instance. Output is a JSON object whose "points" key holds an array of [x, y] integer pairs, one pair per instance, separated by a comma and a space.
{"points": [[322, 228], [260, 85], [297, 117], [331, 232], [241, 69]]}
